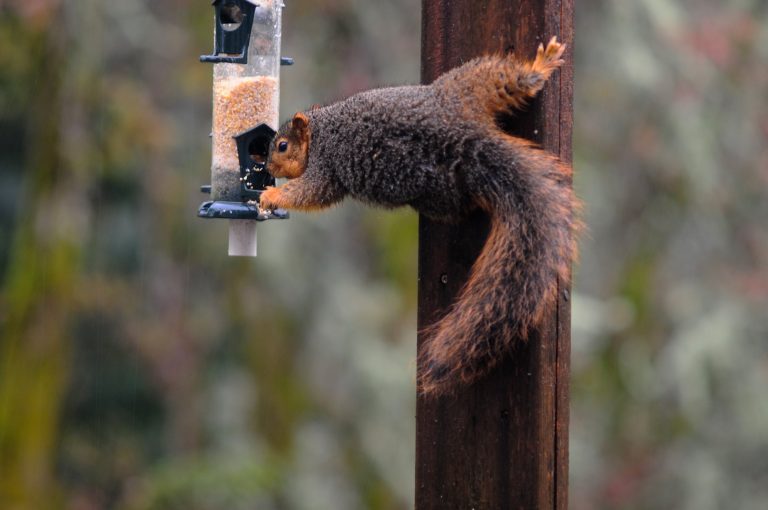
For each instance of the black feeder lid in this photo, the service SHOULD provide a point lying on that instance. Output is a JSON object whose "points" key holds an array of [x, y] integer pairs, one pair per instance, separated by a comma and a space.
{"points": [[234, 21]]}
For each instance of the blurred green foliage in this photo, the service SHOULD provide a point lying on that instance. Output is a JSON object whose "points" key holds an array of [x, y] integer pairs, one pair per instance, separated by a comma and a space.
{"points": [[670, 325], [143, 369]]}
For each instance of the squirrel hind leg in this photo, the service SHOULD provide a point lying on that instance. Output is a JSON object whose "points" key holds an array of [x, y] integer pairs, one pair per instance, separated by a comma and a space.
{"points": [[501, 83], [519, 81]]}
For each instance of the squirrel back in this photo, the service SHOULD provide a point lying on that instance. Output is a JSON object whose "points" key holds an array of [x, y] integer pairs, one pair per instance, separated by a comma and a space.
{"points": [[439, 149]]}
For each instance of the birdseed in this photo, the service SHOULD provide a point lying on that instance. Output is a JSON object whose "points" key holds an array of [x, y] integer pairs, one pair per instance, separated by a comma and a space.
{"points": [[239, 104]]}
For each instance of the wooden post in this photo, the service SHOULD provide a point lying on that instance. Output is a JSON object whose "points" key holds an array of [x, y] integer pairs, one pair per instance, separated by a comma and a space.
{"points": [[502, 443]]}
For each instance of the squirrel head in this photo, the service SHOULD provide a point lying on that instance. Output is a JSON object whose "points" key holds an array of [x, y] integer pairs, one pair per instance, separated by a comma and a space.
{"points": [[289, 150]]}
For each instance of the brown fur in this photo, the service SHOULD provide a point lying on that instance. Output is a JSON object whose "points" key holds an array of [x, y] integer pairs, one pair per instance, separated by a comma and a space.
{"points": [[438, 149], [292, 163]]}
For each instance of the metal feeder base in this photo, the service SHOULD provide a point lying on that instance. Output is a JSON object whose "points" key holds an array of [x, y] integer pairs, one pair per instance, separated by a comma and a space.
{"points": [[239, 211]]}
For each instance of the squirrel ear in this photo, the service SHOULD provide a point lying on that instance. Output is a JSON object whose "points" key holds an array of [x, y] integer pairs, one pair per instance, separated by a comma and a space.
{"points": [[300, 122]]}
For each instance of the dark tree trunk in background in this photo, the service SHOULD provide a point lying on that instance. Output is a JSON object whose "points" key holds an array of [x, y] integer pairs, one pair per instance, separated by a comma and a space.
{"points": [[503, 443]]}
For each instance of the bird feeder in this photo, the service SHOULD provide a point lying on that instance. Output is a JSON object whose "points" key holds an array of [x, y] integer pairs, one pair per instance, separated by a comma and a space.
{"points": [[246, 77]]}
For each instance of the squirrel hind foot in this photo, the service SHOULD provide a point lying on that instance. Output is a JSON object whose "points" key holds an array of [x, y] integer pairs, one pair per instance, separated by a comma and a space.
{"points": [[517, 81], [548, 59]]}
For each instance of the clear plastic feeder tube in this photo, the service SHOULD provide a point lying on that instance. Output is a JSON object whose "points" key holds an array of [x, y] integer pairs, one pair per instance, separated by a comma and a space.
{"points": [[245, 95]]}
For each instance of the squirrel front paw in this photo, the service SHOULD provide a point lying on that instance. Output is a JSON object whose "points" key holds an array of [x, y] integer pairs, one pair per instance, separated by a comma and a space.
{"points": [[271, 198]]}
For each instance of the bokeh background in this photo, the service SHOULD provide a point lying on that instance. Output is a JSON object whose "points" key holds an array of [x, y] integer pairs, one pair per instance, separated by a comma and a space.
{"points": [[143, 369]]}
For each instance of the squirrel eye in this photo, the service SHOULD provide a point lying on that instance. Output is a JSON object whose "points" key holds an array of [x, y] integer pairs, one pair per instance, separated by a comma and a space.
{"points": [[282, 146]]}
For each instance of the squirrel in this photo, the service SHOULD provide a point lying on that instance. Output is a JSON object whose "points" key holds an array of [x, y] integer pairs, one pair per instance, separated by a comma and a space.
{"points": [[439, 149]]}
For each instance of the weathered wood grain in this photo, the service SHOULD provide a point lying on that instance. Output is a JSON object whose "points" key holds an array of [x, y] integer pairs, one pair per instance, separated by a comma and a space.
{"points": [[503, 443]]}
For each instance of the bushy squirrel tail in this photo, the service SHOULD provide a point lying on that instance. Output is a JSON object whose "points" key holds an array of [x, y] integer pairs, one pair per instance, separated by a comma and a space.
{"points": [[531, 243]]}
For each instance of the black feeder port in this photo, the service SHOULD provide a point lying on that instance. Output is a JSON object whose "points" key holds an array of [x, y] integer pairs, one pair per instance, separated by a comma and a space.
{"points": [[252, 151]]}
